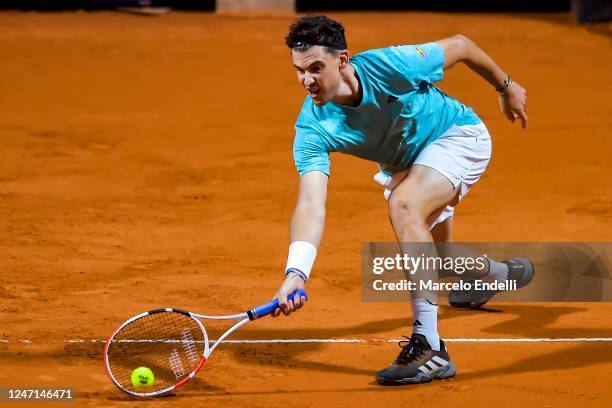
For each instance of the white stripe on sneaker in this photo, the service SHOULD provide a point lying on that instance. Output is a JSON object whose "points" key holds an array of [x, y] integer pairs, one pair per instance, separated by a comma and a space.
{"points": [[440, 360], [424, 369], [432, 365]]}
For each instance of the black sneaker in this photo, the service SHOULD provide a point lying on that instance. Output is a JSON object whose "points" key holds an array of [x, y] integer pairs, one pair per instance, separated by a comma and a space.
{"points": [[417, 363], [520, 270]]}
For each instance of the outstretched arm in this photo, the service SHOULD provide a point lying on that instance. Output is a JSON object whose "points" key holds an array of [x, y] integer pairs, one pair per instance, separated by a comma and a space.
{"points": [[307, 226], [512, 98]]}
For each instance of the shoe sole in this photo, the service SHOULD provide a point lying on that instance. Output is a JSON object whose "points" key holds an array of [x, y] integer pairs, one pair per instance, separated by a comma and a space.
{"points": [[448, 371], [526, 278]]}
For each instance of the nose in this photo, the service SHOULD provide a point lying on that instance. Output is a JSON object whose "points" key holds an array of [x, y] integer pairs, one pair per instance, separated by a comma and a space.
{"points": [[308, 80]]}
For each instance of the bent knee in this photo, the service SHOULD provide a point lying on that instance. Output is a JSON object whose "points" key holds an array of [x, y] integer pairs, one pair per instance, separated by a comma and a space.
{"points": [[406, 212]]}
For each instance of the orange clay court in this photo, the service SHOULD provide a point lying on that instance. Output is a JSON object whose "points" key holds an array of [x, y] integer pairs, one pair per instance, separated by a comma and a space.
{"points": [[146, 162]]}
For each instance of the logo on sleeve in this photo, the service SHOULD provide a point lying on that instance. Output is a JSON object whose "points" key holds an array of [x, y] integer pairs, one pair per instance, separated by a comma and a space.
{"points": [[421, 52]]}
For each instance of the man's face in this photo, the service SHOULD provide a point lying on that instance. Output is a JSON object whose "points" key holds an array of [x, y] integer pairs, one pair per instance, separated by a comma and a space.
{"points": [[318, 70]]}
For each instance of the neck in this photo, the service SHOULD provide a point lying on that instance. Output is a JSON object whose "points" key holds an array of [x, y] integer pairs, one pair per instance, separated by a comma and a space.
{"points": [[350, 91]]}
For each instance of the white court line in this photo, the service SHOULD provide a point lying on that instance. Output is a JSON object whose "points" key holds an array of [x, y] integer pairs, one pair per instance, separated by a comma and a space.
{"points": [[535, 340], [450, 340]]}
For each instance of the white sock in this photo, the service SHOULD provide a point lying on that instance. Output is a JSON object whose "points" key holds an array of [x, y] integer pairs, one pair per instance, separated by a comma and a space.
{"points": [[498, 271], [425, 317]]}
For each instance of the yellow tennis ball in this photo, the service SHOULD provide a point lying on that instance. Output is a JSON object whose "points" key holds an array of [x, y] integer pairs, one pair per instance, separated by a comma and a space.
{"points": [[142, 377]]}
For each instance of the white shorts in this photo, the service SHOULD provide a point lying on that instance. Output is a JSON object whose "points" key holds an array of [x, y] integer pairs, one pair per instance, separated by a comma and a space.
{"points": [[461, 154]]}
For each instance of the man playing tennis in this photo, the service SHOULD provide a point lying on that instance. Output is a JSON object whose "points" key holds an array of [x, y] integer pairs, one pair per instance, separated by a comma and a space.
{"points": [[381, 105]]}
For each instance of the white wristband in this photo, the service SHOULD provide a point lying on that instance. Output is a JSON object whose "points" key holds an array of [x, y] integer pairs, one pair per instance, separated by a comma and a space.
{"points": [[302, 255]]}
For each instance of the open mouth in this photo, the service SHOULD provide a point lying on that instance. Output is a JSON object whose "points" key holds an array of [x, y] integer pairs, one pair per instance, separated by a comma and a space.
{"points": [[314, 92]]}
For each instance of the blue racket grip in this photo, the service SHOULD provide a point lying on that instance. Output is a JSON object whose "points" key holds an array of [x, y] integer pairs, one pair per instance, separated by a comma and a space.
{"points": [[269, 307]]}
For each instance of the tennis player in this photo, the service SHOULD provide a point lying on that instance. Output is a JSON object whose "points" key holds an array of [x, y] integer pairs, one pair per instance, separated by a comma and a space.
{"points": [[381, 105]]}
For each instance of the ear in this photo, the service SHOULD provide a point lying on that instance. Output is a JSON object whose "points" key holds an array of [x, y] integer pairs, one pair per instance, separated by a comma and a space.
{"points": [[344, 58]]}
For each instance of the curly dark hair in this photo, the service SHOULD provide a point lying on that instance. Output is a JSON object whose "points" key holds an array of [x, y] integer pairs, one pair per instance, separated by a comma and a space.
{"points": [[308, 31]]}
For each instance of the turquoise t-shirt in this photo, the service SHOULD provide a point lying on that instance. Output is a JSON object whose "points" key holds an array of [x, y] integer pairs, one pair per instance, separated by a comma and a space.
{"points": [[401, 112]]}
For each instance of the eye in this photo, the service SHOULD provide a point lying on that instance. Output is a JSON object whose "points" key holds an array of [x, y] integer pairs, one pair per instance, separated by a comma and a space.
{"points": [[316, 69]]}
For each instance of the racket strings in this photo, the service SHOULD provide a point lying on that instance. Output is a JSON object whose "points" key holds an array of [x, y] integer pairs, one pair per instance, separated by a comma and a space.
{"points": [[171, 344]]}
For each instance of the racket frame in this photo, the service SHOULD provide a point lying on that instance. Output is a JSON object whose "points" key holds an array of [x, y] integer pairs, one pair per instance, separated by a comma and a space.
{"points": [[183, 380], [244, 317]]}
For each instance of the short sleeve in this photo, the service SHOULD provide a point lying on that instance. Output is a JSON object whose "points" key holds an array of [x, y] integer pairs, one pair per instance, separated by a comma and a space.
{"points": [[309, 151], [419, 63]]}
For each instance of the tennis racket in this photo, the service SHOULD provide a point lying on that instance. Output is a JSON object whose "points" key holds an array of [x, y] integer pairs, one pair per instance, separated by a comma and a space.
{"points": [[172, 343]]}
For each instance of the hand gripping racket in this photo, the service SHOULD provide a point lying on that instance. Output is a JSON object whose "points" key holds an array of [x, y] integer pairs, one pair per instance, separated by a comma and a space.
{"points": [[172, 343]]}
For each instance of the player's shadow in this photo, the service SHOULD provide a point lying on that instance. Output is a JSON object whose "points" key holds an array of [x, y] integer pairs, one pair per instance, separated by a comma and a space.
{"points": [[529, 321]]}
